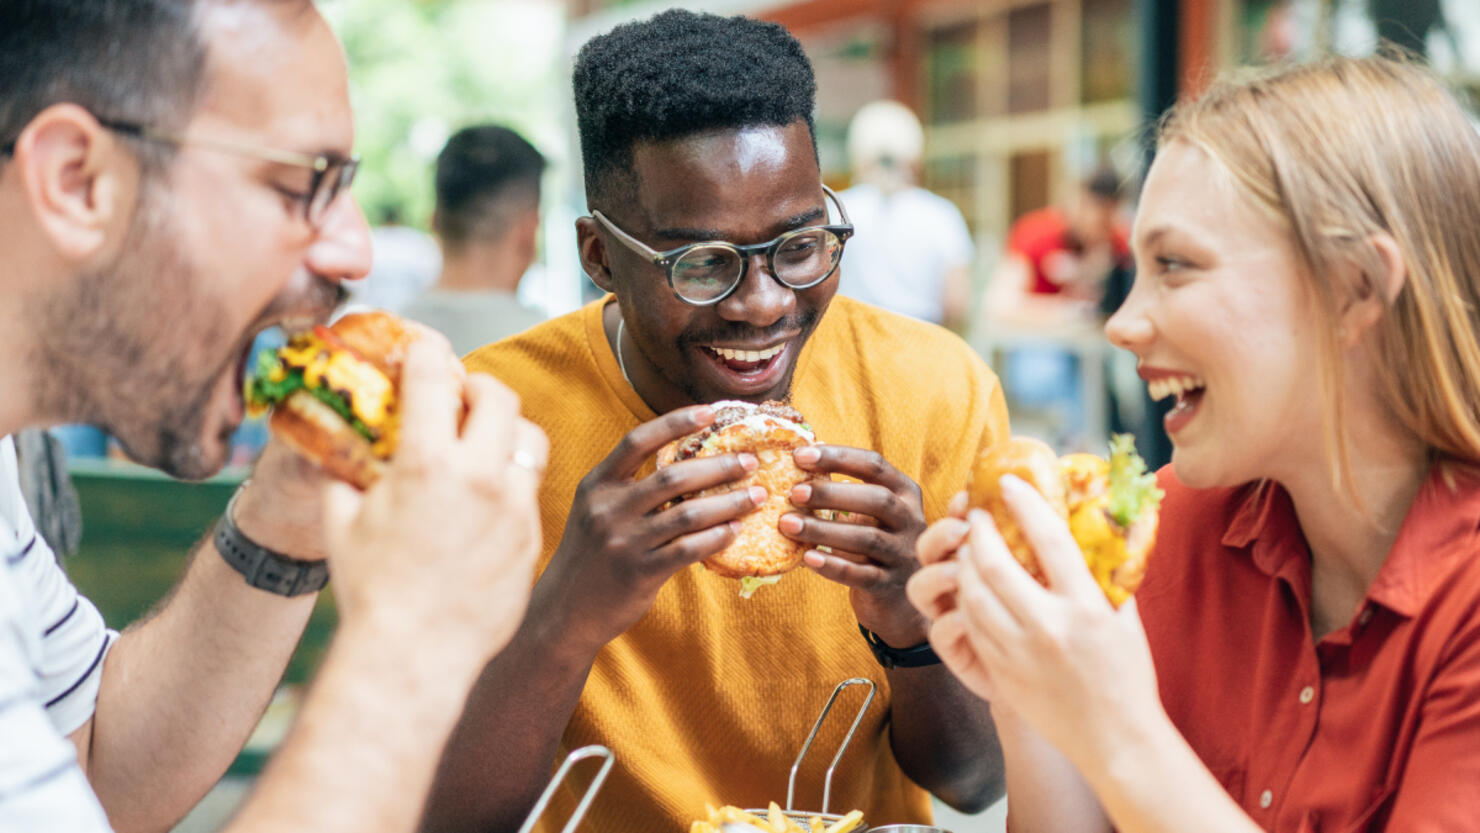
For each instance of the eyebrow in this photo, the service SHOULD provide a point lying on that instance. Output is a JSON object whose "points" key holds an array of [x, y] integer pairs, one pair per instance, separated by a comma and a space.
{"points": [[1155, 235], [796, 221]]}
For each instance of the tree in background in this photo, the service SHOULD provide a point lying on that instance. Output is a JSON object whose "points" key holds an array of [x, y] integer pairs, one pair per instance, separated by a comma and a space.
{"points": [[420, 70]]}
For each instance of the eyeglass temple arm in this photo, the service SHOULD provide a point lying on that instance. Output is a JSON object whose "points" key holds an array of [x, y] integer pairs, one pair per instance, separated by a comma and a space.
{"points": [[838, 201], [632, 242], [281, 157]]}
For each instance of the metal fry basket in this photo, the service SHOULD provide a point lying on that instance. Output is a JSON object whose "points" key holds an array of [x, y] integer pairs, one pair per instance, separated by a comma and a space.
{"points": [[802, 817], [590, 795]]}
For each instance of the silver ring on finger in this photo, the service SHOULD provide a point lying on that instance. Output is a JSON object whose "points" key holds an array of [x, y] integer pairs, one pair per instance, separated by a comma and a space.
{"points": [[526, 460]]}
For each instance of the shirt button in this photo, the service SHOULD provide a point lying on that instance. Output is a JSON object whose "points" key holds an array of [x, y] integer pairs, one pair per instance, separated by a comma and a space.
{"points": [[1365, 616], [1307, 694], [1266, 798]]}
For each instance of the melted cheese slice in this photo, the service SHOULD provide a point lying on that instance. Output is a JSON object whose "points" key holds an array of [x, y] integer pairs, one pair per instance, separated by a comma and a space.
{"points": [[369, 393]]}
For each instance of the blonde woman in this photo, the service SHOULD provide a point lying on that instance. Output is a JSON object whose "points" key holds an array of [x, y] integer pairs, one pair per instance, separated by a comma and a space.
{"points": [[1305, 653]]}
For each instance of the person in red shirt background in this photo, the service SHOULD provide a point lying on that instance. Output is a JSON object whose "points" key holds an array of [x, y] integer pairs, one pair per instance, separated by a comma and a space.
{"points": [[1070, 249], [1304, 656], [1050, 280]]}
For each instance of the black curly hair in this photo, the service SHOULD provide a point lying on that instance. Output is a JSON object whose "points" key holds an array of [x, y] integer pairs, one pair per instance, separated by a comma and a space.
{"points": [[677, 74]]}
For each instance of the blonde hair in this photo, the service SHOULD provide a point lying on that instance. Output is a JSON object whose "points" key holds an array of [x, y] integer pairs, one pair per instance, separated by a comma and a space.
{"points": [[1338, 152]]}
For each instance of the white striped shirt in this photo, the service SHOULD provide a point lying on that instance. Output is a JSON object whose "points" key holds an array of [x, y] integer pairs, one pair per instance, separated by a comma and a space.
{"points": [[52, 645]]}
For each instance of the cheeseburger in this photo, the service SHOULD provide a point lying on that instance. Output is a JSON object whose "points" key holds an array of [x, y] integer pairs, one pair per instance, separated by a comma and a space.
{"points": [[771, 431], [332, 391], [1112, 506]]}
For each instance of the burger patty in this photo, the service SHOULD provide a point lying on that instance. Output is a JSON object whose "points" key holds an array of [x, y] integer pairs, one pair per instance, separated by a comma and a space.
{"points": [[728, 415]]}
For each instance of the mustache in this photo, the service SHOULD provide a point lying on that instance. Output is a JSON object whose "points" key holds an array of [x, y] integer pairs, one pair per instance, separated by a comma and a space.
{"points": [[321, 297], [735, 331]]}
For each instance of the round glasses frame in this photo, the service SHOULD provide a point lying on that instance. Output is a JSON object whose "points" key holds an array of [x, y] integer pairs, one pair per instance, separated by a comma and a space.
{"points": [[667, 259]]}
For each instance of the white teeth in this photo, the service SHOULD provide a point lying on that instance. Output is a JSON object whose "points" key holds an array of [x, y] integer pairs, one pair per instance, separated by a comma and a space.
{"points": [[297, 324], [1173, 386], [748, 355]]}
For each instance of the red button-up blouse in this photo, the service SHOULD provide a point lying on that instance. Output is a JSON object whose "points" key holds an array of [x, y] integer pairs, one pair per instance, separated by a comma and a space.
{"points": [[1374, 727]]}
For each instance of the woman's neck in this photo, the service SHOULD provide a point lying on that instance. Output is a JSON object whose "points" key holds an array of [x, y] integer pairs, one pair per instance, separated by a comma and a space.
{"points": [[1349, 539]]}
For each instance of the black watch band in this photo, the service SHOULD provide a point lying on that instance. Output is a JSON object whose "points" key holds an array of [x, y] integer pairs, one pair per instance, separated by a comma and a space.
{"points": [[917, 656], [263, 568]]}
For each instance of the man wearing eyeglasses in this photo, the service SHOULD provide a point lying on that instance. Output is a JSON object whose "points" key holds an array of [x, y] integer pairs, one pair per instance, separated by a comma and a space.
{"points": [[173, 180], [719, 244]]}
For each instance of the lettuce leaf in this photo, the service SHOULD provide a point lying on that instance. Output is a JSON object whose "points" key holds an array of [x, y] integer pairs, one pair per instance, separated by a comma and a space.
{"points": [[1132, 488], [263, 391], [750, 584]]}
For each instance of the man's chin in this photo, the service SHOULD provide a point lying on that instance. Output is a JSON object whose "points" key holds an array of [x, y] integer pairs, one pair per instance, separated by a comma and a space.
{"points": [[186, 456]]}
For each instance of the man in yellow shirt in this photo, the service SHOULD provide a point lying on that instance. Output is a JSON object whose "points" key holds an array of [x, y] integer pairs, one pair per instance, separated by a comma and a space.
{"points": [[697, 128]]}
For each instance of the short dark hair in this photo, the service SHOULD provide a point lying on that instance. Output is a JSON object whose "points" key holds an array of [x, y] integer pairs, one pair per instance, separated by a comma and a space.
{"points": [[486, 175], [140, 61], [680, 73], [1104, 183]]}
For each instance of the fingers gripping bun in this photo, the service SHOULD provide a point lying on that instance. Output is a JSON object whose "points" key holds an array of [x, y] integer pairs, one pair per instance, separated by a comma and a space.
{"points": [[771, 432], [1083, 488], [1034, 462]]}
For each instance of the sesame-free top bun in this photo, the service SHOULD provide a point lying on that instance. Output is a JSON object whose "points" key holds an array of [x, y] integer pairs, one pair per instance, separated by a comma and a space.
{"points": [[1033, 461], [379, 338], [771, 431]]}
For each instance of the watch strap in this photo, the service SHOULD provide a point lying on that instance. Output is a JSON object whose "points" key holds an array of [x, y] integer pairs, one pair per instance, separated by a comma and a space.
{"points": [[263, 568], [915, 656]]}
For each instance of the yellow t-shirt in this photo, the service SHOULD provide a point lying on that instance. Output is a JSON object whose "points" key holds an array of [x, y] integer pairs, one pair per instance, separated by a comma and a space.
{"points": [[709, 697]]}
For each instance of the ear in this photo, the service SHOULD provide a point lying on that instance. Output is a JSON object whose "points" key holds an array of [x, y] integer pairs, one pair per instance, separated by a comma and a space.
{"points": [[1376, 294], [70, 172], [592, 247], [527, 230]]}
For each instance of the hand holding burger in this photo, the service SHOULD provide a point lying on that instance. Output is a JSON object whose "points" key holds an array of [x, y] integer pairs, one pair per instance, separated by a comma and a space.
{"points": [[771, 431], [1111, 506]]}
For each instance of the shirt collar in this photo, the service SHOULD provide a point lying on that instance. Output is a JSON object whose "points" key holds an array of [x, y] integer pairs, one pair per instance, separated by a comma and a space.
{"points": [[1439, 529], [1442, 524]]}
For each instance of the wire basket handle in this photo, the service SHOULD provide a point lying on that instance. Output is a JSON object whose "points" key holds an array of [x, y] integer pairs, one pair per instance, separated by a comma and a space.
{"points": [[570, 761], [791, 783]]}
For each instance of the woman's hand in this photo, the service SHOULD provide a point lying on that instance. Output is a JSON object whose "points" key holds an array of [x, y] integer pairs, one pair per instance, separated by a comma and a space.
{"points": [[932, 590], [1074, 668]]}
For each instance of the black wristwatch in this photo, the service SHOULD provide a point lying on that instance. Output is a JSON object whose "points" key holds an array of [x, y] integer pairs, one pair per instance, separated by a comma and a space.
{"points": [[917, 656], [263, 568]]}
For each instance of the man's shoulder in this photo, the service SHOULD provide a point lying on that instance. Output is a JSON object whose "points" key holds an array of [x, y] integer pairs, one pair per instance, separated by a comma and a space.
{"points": [[855, 332], [933, 202], [891, 364], [523, 359]]}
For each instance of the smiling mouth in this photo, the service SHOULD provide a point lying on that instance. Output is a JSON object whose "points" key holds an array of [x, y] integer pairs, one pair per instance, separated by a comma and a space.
{"points": [[746, 362], [1188, 391]]}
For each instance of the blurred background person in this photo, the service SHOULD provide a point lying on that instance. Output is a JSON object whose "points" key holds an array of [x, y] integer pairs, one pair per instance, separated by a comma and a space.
{"points": [[487, 223], [405, 262], [911, 252], [1058, 258], [1050, 283]]}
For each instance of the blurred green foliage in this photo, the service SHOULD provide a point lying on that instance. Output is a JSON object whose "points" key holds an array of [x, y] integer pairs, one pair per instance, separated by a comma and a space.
{"points": [[421, 70]]}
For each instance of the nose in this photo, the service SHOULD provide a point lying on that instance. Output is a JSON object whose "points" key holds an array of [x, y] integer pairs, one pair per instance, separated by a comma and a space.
{"points": [[1131, 328], [760, 300], [342, 249]]}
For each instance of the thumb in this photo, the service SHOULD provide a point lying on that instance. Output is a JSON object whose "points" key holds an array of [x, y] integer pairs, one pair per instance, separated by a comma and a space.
{"points": [[341, 506]]}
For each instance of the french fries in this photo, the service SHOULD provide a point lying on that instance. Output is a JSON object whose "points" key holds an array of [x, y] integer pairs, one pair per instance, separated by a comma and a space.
{"points": [[776, 821]]}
